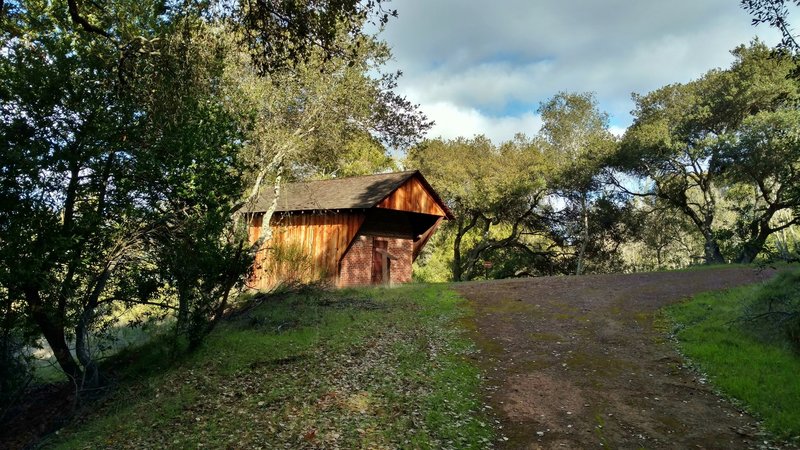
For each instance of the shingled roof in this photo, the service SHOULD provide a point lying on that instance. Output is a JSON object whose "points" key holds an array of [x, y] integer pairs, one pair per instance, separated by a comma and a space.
{"points": [[362, 192]]}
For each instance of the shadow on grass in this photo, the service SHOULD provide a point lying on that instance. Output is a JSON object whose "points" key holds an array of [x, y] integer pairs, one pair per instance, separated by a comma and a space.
{"points": [[361, 368]]}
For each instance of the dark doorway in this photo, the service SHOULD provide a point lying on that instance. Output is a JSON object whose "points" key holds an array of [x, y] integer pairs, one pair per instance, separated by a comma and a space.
{"points": [[380, 261]]}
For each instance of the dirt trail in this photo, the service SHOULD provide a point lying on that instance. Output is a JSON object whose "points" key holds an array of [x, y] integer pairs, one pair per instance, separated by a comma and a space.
{"points": [[575, 362]]}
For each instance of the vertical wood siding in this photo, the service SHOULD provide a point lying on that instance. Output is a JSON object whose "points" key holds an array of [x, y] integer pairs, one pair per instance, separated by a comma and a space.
{"points": [[414, 197], [309, 247], [303, 248]]}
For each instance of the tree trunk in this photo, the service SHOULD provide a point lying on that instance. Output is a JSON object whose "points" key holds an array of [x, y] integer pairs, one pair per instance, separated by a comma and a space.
{"points": [[751, 249], [182, 319], [266, 229], [711, 251], [457, 268], [91, 377], [219, 311], [713, 255], [759, 233], [747, 254], [53, 332], [584, 235]]}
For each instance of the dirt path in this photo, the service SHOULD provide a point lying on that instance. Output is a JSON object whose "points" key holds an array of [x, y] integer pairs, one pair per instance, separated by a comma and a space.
{"points": [[575, 362]]}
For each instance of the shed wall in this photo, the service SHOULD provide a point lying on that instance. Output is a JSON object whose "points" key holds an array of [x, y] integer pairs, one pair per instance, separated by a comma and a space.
{"points": [[356, 267], [303, 248], [313, 246], [414, 197]]}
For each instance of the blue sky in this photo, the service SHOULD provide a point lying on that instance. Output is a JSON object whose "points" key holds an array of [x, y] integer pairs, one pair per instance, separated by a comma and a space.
{"points": [[479, 67]]}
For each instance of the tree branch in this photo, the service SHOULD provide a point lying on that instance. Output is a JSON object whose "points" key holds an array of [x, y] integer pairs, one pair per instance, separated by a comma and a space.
{"points": [[80, 20]]}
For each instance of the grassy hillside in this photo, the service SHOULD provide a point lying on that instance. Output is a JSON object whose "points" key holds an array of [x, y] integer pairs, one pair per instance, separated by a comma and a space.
{"points": [[749, 356], [369, 368]]}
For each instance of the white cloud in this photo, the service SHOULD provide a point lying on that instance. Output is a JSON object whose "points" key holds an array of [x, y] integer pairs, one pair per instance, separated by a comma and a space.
{"points": [[617, 131], [488, 85], [453, 121], [479, 68]]}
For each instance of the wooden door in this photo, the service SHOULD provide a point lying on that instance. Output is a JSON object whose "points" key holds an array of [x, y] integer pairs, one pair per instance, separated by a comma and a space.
{"points": [[380, 261]]}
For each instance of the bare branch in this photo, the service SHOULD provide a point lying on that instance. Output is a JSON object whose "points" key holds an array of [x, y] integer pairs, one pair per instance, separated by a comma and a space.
{"points": [[80, 20]]}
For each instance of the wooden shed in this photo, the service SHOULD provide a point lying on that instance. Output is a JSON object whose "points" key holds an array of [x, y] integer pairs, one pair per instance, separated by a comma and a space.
{"points": [[347, 231]]}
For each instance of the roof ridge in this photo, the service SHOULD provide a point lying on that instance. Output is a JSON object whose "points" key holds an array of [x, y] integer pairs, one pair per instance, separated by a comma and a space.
{"points": [[356, 176], [361, 192]]}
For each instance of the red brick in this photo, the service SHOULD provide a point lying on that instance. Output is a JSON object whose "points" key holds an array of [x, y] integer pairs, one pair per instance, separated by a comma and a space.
{"points": [[356, 265]]}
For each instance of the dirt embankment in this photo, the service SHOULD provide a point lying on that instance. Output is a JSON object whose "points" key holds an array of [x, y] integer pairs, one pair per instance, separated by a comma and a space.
{"points": [[577, 362]]}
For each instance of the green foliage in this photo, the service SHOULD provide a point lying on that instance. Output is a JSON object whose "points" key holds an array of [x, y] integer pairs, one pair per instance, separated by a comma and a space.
{"points": [[577, 141], [325, 117], [785, 245], [282, 34], [16, 370], [665, 238], [725, 143], [435, 263], [612, 221], [527, 206], [99, 168], [364, 155], [276, 35], [774, 311], [761, 373], [352, 368], [495, 193], [127, 138]]}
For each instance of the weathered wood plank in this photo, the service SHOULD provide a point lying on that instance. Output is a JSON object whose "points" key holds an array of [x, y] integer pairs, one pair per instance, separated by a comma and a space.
{"points": [[412, 196], [320, 238]]}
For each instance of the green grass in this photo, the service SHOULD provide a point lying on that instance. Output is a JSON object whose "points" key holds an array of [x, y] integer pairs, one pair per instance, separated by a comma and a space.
{"points": [[368, 368], [700, 267], [759, 370]]}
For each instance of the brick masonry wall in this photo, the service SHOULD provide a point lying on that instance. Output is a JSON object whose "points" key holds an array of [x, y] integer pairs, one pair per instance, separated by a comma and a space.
{"points": [[356, 267], [403, 249]]}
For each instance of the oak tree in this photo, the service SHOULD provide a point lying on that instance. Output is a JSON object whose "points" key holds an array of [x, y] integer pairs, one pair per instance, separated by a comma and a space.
{"points": [[730, 132], [577, 140]]}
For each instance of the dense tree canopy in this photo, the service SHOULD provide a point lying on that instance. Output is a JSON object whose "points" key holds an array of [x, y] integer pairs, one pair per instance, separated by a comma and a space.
{"points": [[494, 192], [727, 140], [277, 35], [133, 131], [576, 138], [91, 167]]}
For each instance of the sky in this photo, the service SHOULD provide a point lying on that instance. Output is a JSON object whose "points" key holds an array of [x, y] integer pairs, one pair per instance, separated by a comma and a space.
{"points": [[483, 67]]}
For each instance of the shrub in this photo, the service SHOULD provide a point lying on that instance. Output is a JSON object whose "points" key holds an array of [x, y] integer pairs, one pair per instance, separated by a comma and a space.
{"points": [[290, 264], [774, 312], [15, 371]]}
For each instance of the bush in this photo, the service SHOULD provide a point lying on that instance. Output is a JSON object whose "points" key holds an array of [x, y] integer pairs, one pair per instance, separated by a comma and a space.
{"points": [[290, 263], [774, 312], [15, 371]]}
